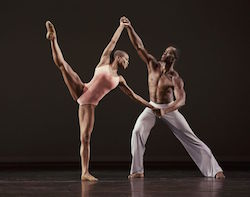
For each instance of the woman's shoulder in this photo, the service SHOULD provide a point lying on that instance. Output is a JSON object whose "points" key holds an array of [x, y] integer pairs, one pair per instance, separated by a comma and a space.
{"points": [[102, 66]]}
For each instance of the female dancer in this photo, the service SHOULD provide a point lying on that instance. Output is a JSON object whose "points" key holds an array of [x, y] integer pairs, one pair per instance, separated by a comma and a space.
{"points": [[89, 94]]}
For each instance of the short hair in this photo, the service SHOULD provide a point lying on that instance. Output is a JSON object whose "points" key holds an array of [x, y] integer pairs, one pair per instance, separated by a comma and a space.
{"points": [[119, 53], [174, 50], [115, 54]]}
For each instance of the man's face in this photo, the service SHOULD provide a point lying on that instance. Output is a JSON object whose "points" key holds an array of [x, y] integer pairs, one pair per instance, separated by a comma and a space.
{"points": [[169, 55]]}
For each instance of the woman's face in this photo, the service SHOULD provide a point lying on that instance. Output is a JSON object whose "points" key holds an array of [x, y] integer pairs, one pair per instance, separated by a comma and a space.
{"points": [[124, 61]]}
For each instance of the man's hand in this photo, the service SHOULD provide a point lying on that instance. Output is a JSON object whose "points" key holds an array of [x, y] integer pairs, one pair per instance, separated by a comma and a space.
{"points": [[124, 21], [163, 112], [157, 112]]}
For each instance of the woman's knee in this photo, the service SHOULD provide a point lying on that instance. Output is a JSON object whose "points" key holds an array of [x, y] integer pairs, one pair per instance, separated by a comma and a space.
{"points": [[85, 139]]}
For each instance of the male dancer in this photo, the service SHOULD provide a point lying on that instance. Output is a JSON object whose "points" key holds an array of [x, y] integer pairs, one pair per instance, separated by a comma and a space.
{"points": [[166, 90]]}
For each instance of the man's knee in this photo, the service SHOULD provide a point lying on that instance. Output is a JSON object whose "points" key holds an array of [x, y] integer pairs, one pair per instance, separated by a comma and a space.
{"points": [[139, 138], [140, 125], [136, 131]]}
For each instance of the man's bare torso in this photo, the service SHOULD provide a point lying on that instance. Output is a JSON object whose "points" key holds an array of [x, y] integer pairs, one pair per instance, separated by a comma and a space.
{"points": [[160, 83]]}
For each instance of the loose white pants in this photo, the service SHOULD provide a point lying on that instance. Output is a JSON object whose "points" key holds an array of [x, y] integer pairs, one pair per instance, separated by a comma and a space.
{"points": [[197, 150]]}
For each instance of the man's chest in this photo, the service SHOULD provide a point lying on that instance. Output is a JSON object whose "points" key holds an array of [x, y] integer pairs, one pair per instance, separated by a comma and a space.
{"points": [[162, 80]]}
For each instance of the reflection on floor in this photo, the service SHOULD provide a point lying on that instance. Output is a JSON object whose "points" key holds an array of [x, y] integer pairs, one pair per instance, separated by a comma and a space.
{"points": [[172, 183]]}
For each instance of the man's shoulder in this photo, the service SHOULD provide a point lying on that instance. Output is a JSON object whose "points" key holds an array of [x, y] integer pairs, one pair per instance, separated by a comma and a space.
{"points": [[174, 73], [153, 63]]}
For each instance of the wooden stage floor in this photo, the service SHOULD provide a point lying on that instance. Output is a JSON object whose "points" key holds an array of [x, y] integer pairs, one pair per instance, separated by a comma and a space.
{"points": [[114, 183]]}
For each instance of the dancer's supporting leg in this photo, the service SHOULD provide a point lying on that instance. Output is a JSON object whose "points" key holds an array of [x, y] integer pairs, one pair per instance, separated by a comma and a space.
{"points": [[86, 121], [140, 134], [75, 86]]}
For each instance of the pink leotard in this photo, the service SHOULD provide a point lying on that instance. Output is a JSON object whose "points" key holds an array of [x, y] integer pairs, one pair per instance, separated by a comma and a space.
{"points": [[101, 83]]}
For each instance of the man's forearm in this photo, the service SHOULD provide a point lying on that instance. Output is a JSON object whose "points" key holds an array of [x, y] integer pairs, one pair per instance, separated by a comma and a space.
{"points": [[174, 106], [135, 39]]}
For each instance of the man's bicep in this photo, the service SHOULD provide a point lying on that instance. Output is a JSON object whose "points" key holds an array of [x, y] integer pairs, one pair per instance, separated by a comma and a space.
{"points": [[179, 88], [144, 55], [178, 82]]}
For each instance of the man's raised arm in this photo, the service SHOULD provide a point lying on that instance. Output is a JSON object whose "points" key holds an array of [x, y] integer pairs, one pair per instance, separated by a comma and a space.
{"points": [[137, 42]]}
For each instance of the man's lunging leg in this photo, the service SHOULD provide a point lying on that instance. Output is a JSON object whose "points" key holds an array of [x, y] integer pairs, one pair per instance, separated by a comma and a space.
{"points": [[197, 150]]}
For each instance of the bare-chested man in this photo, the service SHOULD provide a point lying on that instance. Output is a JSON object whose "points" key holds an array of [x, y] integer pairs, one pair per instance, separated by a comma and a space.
{"points": [[166, 92]]}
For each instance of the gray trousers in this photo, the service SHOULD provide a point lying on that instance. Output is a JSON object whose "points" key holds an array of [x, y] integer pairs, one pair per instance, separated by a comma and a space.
{"points": [[197, 150]]}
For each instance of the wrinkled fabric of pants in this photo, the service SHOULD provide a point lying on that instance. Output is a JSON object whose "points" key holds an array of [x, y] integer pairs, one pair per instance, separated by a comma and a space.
{"points": [[197, 150]]}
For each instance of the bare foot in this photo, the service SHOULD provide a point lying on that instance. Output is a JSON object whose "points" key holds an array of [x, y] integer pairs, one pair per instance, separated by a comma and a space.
{"points": [[136, 175], [220, 175], [88, 177], [51, 32]]}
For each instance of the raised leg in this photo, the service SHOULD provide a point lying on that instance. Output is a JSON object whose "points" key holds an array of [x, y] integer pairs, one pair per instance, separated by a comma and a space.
{"points": [[140, 134], [86, 121], [71, 79]]}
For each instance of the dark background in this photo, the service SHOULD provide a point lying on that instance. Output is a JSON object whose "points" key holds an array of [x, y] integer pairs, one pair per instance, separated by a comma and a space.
{"points": [[39, 119]]}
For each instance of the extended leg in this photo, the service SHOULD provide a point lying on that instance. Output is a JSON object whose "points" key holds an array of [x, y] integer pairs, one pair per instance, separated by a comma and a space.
{"points": [[140, 134], [86, 121], [198, 151], [71, 79]]}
